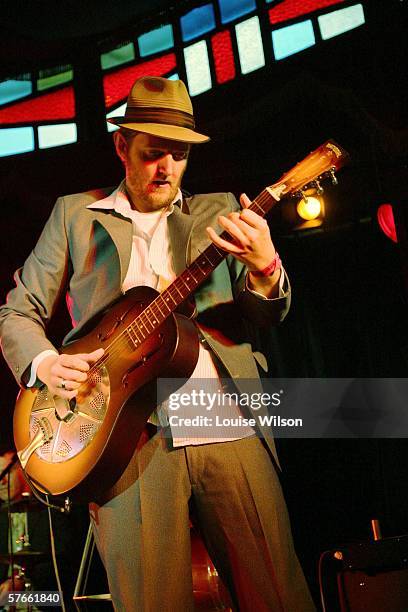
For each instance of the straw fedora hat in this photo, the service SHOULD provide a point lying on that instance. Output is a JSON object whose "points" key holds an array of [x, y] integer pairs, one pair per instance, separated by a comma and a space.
{"points": [[161, 107]]}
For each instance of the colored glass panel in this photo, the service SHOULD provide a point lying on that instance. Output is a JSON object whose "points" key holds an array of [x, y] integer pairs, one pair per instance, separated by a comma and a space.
{"points": [[56, 135], [341, 21], [16, 140], [45, 82], [197, 22], [250, 47], [156, 40], [47, 107], [289, 9], [232, 9], [292, 39], [197, 68], [117, 112], [117, 84], [14, 89], [118, 56], [223, 57]]}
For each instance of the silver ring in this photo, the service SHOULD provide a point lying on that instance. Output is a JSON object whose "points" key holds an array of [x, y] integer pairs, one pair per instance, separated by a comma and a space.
{"points": [[62, 385]]}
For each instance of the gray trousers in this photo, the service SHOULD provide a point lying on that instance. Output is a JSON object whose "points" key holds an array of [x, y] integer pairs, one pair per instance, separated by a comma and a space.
{"points": [[143, 535]]}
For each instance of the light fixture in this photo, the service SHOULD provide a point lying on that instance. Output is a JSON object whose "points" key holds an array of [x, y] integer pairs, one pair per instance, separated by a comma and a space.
{"points": [[309, 208]]}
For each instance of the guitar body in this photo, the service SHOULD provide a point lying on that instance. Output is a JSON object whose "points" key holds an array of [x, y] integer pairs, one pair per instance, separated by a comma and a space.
{"points": [[93, 441]]}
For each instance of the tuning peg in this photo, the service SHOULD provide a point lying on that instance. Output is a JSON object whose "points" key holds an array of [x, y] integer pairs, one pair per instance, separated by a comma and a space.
{"points": [[299, 194], [319, 188], [333, 176]]}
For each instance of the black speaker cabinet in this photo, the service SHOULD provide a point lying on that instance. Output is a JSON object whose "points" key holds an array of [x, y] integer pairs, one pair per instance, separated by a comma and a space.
{"points": [[367, 577]]}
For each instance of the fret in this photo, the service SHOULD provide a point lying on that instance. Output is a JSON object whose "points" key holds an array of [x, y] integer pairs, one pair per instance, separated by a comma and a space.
{"points": [[133, 338], [169, 290], [185, 282], [177, 289], [260, 209], [220, 253], [164, 302], [129, 338], [156, 317], [158, 307], [204, 272], [136, 331], [140, 331], [151, 321], [139, 318], [192, 276], [205, 254], [215, 256]]}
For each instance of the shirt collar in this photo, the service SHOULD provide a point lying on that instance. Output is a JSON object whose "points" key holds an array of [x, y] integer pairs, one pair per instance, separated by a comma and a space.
{"points": [[119, 201]]}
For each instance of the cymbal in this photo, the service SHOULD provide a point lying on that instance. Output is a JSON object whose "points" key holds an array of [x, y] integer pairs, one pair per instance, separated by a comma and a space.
{"points": [[24, 504], [23, 556]]}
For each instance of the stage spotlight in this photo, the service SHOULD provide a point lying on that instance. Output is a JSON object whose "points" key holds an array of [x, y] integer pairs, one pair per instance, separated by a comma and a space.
{"points": [[308, 211], [309, 208], [385, 218]]}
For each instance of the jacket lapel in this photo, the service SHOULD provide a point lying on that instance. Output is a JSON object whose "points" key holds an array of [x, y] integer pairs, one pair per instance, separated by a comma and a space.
{"points": [[119, 232], [180, 227], [121, 235]]}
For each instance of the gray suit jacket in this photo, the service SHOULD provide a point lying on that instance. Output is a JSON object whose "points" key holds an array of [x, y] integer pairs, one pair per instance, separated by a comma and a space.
{"points": [[84, 252]]}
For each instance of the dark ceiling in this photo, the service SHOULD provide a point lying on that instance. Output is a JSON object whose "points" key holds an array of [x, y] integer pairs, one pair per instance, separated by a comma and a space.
{"points": [[37, 32]]}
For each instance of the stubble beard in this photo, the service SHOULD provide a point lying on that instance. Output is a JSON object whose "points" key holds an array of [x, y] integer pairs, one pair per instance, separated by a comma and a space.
{"points": [[148, 201]]}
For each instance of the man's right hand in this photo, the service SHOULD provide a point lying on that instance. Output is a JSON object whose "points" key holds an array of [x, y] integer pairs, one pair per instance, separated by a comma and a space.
{"points": [[63, 374]]}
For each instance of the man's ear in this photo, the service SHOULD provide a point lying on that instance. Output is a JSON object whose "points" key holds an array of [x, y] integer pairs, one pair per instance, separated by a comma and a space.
{"points": [[121, 146]]}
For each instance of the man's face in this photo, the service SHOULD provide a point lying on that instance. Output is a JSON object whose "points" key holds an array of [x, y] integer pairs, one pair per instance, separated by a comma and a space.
{"points": [[154, 169]]}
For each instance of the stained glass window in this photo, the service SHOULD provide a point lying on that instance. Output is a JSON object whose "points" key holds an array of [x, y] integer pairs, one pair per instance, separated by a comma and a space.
{"points": [[223, 53], [197, 22], [289, 9], [118, 56], [232, 9], [156, 40], [16, 140], [56, 135], [340, 21], [51, 78], [14, 89], [250, 47], [292, 39], [197, 68]]}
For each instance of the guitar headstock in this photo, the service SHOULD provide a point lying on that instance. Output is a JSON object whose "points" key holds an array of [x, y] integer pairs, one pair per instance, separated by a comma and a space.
{"points": [[318, 165]]}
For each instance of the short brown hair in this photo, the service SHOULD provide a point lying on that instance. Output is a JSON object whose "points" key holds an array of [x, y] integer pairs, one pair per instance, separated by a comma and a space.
{"points": [[128, 134]]}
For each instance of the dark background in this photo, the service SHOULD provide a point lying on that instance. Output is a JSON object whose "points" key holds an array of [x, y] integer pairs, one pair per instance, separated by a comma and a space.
{"points": [[348, 317]]}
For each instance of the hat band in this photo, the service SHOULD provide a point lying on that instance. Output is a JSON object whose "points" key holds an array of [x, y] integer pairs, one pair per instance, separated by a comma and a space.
{"points": [[167, 116]]}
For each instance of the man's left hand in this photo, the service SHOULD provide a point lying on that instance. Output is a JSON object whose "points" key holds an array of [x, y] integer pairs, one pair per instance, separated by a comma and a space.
{"points": [[251, 240]]}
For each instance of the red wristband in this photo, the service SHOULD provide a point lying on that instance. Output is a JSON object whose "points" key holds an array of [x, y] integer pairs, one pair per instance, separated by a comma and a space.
{"points": [[275, 264]]}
